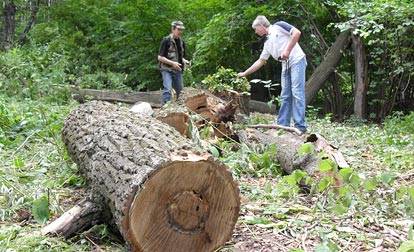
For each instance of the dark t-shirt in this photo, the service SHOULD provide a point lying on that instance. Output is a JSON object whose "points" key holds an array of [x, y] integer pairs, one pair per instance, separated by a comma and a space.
{"points": [[165, 44]]}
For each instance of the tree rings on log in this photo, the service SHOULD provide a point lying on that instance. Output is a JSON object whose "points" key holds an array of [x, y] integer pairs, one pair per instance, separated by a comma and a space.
{"points": [[188, 212]]}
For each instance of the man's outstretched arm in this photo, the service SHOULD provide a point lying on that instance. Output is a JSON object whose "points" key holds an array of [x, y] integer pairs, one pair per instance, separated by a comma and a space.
{"points": [[253, 68]]}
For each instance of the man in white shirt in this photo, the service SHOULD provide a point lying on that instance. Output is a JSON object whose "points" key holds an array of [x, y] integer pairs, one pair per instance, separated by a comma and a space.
{"points": [[282, 44]]}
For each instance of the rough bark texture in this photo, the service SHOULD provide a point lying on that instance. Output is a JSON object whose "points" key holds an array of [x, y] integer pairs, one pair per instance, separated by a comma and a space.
{"points": [[287, 146], [327, 67], [161, 194], [361, 77], [9, 20]]}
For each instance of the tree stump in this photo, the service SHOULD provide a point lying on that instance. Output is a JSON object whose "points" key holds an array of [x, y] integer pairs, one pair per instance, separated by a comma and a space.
{"points": [[210, 109], [159, 193]]}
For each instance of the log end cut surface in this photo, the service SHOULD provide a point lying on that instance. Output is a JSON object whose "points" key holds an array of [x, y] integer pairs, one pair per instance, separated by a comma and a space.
{"points": [[191, 204]]}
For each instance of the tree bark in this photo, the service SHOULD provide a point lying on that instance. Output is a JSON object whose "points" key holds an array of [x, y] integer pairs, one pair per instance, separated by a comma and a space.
{"points": [[9, 14], [161, 193], [80, 217], [327, 67], [361, 77]]}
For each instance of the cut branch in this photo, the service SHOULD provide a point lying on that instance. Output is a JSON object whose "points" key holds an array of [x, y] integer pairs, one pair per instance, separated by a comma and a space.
{"points": [[85, 214]]}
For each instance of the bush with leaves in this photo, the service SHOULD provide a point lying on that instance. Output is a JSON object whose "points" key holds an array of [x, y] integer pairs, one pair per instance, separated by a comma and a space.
{"points": [[226, 80], [386, 28]]}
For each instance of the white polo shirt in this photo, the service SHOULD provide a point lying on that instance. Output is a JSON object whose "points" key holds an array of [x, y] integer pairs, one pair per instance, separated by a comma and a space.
{"points": [[277, 40]]}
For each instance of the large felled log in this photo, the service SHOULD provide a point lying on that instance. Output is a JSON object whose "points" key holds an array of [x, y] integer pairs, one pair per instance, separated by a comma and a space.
{"points": [[327, 67], [287, 146], [160, 193]]}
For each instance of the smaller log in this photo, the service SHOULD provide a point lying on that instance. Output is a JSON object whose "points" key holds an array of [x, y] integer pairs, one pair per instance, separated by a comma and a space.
{"points": [[287, 146], [80, 217], [262, 107], [154, 98], [276, 126], [83, 95]]}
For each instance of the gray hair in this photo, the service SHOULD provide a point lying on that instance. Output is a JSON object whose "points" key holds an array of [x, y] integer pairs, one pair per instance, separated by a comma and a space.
{"points": [[260, 20]]}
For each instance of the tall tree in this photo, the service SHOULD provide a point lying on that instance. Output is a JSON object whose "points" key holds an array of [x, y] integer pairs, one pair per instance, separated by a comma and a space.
{"points": [[9, 23], [361, 77]]}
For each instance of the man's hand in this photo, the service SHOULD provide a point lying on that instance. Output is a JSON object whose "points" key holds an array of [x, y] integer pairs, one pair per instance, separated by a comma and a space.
{"points": [[285, 54], [176, 66], [242, 74]]}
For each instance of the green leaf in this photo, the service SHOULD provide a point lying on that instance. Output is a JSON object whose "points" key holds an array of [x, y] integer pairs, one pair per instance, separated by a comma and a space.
{"points": [[214, 151], [40, 209], [306, 148], [371, 184], [340, 209], [345, 173], [326, 247], [407, 246], [325, 165], [324, 183], [387, 178]]}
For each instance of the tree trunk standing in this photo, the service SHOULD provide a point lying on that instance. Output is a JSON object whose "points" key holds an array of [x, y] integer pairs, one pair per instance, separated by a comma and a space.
{"points": [[9, 24], [361, 77], [327, 67], [34, 8], [161, 194]]}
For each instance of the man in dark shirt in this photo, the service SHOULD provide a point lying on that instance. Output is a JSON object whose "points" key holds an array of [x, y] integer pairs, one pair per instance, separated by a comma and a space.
{"points": [[172, 60]]}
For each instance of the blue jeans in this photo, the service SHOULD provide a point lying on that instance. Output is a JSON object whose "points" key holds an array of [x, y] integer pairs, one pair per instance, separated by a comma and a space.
{"points": [[171, 79], [293, 96]]}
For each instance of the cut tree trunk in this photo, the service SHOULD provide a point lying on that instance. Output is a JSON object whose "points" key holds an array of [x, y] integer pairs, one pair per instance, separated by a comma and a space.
{"points": [[361, 77], [159, 192], [327, 67], [287, 146], [210, 110]]}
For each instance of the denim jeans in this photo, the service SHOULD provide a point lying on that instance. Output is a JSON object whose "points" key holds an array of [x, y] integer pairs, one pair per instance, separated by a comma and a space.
{"points": [[293, 95], [171, 79]]}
